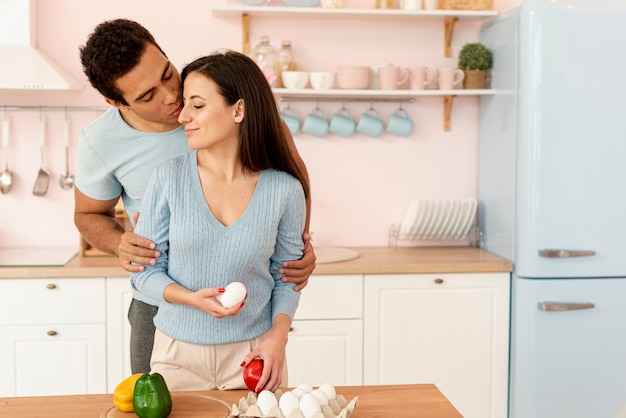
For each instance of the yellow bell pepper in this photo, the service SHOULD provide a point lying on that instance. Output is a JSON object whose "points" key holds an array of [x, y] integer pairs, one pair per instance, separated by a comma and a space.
{"points": [[123, 394]]}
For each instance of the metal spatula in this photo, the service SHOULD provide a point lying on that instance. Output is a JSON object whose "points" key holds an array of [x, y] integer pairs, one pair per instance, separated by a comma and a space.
{"points": [[43, 177]]}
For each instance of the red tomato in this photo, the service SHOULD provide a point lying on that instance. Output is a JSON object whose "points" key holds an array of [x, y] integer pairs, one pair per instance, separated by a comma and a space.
{"points": [[252, 373]]}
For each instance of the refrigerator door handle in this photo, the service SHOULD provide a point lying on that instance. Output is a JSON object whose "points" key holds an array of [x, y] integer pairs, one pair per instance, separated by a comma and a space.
{"points": [[558, 253], [560, 306]]}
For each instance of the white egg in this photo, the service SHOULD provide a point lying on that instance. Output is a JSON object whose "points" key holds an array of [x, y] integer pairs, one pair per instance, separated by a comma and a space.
{"points": [[298, 392], [234, 294], [320, 396], [309, 405], [288, 402], [265, 401], [305, 388], [329, 390]]}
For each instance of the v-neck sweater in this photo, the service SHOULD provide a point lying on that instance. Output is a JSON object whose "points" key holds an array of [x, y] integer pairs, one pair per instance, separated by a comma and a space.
{"points": [[197, 251]]}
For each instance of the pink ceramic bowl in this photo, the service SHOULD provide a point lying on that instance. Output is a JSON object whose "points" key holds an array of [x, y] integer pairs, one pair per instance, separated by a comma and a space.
{"points": [[350, 77]]}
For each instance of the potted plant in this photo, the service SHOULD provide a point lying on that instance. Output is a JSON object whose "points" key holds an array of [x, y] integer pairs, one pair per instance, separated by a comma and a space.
{"points": [[475, 59]]}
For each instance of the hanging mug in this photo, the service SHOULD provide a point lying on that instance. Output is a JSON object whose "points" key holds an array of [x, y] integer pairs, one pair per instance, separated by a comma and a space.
{"points": [[342, 122], [400, 123], [370, 123], [289, 115], [315, 123]]}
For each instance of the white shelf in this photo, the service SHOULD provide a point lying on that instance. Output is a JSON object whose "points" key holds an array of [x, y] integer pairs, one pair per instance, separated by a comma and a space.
{"points": [[379, 93], [392, 14]]}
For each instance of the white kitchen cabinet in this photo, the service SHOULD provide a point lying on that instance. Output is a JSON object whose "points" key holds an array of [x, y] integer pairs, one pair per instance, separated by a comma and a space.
{"points": [[447, 329], [118, 295], [52, 337], [326, 339]]}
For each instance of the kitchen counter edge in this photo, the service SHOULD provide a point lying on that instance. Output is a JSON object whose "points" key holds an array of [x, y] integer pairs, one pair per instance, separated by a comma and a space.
{"points": [[372, 260]]}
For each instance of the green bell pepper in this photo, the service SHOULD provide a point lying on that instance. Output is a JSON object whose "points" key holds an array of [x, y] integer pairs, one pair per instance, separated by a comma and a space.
{"points": [[151, 397]]}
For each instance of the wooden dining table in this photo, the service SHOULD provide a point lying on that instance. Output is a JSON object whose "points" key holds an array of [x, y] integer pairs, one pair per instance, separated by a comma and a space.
{"points": [[380, 401]]}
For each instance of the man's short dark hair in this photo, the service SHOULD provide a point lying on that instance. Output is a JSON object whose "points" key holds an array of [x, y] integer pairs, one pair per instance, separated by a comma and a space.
{"points": [[112, 51]]}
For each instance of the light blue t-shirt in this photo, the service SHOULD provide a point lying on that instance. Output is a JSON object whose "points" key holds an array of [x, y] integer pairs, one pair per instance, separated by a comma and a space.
{"points": [[115, 159], [197, 251]]}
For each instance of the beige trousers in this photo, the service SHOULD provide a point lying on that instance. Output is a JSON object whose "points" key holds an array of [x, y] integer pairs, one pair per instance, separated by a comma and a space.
{"points": [[188, 366]]}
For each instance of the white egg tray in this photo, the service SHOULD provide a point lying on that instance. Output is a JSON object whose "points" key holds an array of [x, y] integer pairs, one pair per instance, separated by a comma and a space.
{"points": [[336, 408]]}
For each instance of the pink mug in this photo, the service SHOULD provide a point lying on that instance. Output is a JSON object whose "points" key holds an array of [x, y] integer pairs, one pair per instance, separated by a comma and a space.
{"points": [[418, 77], [392, 77], [450, 77]]}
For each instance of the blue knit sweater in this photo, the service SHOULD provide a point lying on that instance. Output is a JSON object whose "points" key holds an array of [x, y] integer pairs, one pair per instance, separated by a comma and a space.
{"points": [[197, 251]]}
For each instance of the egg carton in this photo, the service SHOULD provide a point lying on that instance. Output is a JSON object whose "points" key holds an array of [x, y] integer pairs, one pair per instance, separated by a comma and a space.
{"points": [[336, 408]]}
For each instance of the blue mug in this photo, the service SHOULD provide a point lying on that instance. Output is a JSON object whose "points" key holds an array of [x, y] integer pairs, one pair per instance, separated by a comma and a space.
{"points": [[400, 123], [342, 123], [370, 123], [289, 115], [316, 123]]}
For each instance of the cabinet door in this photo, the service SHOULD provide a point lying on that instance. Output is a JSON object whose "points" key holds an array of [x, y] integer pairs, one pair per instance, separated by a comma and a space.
{"points": [[52, 360], [119, 296], [52, 301], [325, 351], [451, 330]]}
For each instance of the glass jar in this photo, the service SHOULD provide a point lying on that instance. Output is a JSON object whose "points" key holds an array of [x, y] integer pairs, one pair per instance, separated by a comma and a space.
{"points": [[265, 55], [384, 4], [286, 61]]}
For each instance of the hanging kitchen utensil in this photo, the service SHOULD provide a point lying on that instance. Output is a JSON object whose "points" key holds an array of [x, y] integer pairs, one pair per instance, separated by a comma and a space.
{"points": [[6, 177], [67, 180], [43, 177]]}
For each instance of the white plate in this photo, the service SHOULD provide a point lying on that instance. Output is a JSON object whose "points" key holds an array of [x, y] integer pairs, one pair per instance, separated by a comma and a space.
{"points": [[445, 209], [467, 205], [454, 206], [469, 221], [423, 219], [409, 220], [435, 219], [419, 215], [456, 228]]}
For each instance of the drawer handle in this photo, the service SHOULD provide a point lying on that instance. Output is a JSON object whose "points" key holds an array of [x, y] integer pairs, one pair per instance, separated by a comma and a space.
{"points": [[51, 286], [52, 333], [439, 281]]}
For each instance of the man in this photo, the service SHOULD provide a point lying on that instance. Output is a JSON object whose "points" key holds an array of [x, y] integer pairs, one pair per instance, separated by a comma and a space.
{"points": [[118, 153]]}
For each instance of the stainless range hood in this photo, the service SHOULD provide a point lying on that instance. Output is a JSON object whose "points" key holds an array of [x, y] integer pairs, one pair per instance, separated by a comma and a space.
{"points": [[22, 65]]}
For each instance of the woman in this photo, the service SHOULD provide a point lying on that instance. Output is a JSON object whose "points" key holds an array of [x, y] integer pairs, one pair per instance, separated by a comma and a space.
{"points": [[231, 210]]}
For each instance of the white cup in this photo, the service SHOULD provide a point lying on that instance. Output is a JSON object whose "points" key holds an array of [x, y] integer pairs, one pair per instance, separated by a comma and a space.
{"points": [[431, 4], [322, 80], [295, 79], [411, 4], [449, 77]]}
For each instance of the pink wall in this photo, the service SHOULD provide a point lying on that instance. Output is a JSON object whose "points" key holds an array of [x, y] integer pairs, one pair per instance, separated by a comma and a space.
{"points": [[360, 185]]}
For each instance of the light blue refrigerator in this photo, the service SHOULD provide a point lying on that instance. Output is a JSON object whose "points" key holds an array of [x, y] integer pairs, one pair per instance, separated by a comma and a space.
{"points": [[552, 193]]}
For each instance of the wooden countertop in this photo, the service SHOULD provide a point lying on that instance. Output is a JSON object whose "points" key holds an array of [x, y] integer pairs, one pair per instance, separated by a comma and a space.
{"points": [[398, 401], [372, 260]]}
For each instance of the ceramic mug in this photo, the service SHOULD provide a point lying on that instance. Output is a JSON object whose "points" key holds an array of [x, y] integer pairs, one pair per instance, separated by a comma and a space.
{"points": [[449, 77], [322, 80], [295, 79], [431, 4], [316, 123], [370, 123], [392, 77], [342, 123], [417, 77], [410, 4], [400, 123], [289, 115]]}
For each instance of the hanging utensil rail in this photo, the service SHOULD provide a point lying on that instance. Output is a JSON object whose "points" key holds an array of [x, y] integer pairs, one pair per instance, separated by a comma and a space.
{"points": [[346, 99]]}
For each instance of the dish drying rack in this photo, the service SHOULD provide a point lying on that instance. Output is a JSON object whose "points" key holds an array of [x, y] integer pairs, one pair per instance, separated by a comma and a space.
{"points": [[438, 220]]}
